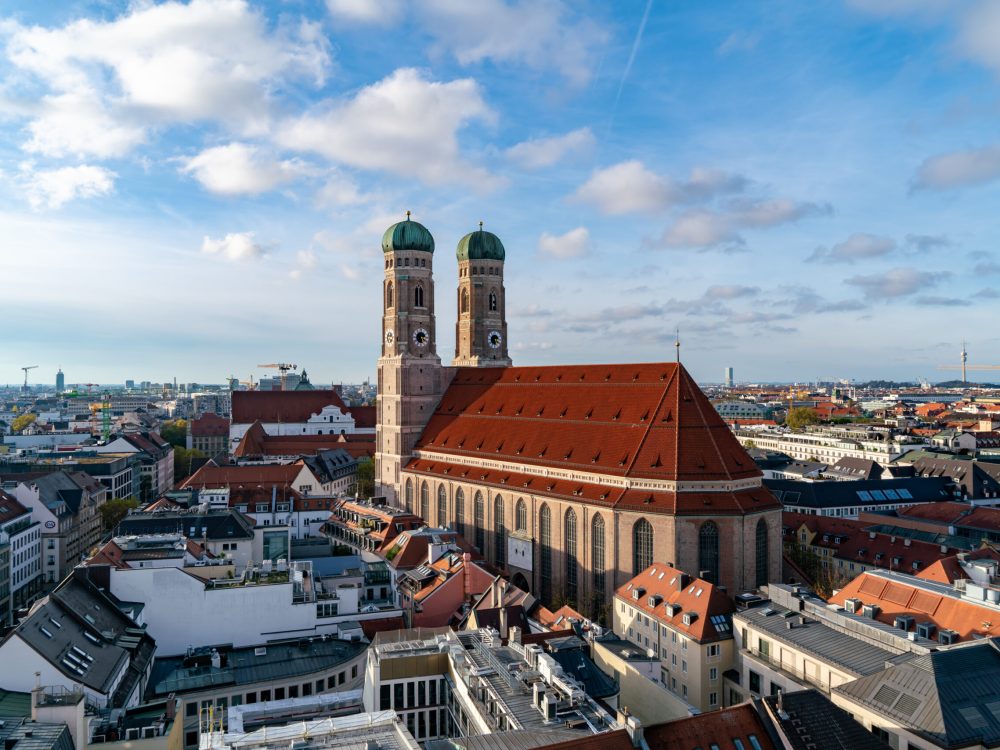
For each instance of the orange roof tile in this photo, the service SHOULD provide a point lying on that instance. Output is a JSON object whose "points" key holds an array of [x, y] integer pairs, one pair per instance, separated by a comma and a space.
{"points": [[282, 406], [712, 729]]}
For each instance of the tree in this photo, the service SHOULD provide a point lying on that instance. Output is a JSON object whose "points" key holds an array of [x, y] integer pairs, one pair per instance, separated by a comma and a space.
{"points": [[175, 432], [364, 479], [800, 416], [183, 460], [113, 511], [22, 421], [749, 445]]}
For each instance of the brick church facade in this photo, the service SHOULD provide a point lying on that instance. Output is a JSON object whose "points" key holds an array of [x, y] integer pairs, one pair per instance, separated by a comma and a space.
{"points": [[571, 478]]}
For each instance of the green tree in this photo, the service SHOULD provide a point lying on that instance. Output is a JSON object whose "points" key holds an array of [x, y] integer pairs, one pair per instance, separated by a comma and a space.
{"points": [[800, 416], [22, 421], [183, 460], [113, 511], [175, 432], [364, 479], [749, 445]]}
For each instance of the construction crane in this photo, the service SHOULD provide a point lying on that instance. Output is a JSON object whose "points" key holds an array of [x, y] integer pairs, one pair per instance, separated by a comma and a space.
{"points": [[964, 366], [89, 386], [29, 367], [250, 384], [104, 408], [283, 368]]}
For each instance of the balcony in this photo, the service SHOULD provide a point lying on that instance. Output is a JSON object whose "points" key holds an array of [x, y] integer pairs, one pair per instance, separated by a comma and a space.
{"points": [[792, 672]]}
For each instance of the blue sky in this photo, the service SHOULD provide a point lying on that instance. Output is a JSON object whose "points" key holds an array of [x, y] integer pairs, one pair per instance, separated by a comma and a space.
{"points": [[804, 189]]}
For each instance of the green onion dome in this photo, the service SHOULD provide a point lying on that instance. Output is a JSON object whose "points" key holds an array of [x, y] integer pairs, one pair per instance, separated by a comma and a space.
{"points": [[480, 245], [407, 235]]}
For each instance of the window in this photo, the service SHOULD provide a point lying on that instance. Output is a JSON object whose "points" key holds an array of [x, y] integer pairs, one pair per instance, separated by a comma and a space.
{"points": [[499, 533], [460, 512], [385, 696], [479, 520], [425, 502], [388, 295], [713, 700], [642, 546], [761, 549], [597, 561], [571, 561], [545, 552], [714, 650], [442, 507], [418, 296], [409, 495], [463, 305], [397, 694], [754, 682], [521, 516], [713, 674], [708, 551], [191, 709], [493, 301]]}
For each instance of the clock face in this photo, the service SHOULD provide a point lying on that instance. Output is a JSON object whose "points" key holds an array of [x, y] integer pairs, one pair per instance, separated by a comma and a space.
{"points": [[495, 339], [421, 337], [389, 337]]}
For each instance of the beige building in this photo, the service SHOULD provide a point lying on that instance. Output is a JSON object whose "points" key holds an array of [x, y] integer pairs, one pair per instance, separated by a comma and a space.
{"points": [[572, 479], [686, 623]]}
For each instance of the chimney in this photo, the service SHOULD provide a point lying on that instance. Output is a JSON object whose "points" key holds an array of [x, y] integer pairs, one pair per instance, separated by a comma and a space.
{"points": [[503, 622], [36, 696]]}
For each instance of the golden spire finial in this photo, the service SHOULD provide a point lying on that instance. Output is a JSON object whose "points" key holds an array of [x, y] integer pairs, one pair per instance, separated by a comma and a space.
{"points": [[407, 215], [677, 344], [480, 225]]}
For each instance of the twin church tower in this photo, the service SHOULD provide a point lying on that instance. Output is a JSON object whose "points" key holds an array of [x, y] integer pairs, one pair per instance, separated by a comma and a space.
{"points": [[411, 378]]}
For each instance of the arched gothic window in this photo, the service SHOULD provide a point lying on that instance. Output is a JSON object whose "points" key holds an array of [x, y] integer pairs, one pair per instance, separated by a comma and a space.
{"points": [[442, 507], [708, 551], [409, 495], [493, 301], [597, 560], [480, 521], [521, 517], [388, 295], [464, 302], [569, 540], [425, 503], [499, 534], [761, 549], [642, 546], [545, 553], [418, 296], [460, 511]]}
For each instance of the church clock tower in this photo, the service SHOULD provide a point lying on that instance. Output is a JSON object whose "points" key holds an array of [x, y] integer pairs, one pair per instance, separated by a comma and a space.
{"points": [[409, 370], [481, 330]]}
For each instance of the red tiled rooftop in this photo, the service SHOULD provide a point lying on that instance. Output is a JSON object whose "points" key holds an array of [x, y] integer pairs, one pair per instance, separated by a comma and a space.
{"points": [[267, 475], [282, 406], [712, 729], [10, 508], [210, 425]]}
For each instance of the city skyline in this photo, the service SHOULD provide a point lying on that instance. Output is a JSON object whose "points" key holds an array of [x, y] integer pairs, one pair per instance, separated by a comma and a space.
{"points": [[201, 187]]}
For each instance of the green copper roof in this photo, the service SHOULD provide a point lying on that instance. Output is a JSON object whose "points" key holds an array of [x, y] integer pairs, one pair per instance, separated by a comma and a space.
{"points": [[407, 235], [480, 245]]}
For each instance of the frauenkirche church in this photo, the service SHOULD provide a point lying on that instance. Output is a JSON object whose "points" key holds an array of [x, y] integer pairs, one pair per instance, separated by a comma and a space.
{"points": [[571, 478]]}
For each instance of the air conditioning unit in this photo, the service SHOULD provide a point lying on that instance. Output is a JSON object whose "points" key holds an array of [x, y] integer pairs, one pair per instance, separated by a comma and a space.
{"points": [[903, 622], [926, 629], [947, 637], [132, 734], [870, 610]]}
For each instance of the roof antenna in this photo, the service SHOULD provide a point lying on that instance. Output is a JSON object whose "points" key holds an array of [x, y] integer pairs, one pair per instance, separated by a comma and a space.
{"points": [[677, 344]]}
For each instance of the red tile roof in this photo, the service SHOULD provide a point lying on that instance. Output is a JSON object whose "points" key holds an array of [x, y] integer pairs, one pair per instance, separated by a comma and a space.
{"points": [[712, 729], [660, 585], [256, 442], [10, 508], [364, 417], [282, 406], [949, 569], [642, 421], [267, 475], [209, 425], [956, 514], [409, 548]]}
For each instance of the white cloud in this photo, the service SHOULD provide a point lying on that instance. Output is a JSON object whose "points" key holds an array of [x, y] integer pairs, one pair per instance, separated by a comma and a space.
{"points": [[52, 188], [959, 168], [236, 246], [305, 260], [859, 246], [896, 282], [544, 152], [702, 228], [630, 187], [540, 34], [110, 81], [980, 30], [241, 169], [379, 12], [705, 228], [403, 124], [574, 244], [340, 190]]}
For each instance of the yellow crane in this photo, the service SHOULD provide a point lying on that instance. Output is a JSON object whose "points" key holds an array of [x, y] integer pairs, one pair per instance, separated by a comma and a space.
{"points": [[283, 368], [964, 366]]}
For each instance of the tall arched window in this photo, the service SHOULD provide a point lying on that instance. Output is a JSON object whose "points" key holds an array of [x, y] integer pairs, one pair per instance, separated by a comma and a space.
{"points": [[545, 553], [442, 507], [464, 301], [499, 534], [493, 301], [708, 551], [597, 560], [761, 552], [409, 495], [460, 512], [388, 295], [425, 503], [569, 539], [521, 516], [480, 521], [418, 296], [642, 546]]}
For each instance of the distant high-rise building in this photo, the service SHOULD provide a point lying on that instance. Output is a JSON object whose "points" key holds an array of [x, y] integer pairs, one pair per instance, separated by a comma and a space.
{"points": [[60, 381], [729, 377], [130, 384]]}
